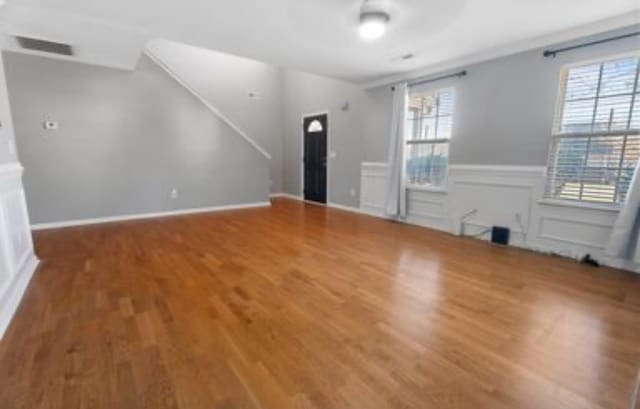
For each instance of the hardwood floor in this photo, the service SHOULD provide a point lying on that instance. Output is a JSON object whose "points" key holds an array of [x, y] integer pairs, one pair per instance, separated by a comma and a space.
{"points": [[299, 306]]}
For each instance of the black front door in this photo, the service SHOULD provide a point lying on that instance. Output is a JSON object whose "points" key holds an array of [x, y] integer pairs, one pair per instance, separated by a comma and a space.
{"points": [[315, 158]]}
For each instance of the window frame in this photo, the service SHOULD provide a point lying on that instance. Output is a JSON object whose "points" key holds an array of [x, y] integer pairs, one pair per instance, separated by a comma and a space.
{"points": [[409, 142], [557, 135]]}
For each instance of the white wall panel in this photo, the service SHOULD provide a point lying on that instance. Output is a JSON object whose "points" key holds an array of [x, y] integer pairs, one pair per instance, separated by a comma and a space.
{"points": [[498, 193], [373, 187], [17, 260]]}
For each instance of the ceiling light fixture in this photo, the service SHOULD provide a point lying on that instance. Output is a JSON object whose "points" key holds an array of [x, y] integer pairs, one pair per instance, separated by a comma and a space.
{"points": [[373, 19]]}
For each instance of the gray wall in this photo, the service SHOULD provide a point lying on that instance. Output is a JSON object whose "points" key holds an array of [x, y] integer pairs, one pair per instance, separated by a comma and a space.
{"points": [[6, 129], [504, 107], [125, 139], [306, 94], [504, 110], [225, 81], [503, 114]]}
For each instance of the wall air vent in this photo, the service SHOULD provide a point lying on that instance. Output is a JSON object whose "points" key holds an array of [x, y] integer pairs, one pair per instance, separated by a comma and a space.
{"points": [[45, 46]]}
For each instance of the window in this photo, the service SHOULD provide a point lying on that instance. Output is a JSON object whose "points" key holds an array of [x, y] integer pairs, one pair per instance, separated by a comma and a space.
{"points": [[428, 131], [596, 135], [315, 126]]}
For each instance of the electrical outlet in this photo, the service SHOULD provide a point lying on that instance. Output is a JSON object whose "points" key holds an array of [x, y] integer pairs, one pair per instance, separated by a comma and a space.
{"points": [[174, 193], [352, 192], [518, 217]]}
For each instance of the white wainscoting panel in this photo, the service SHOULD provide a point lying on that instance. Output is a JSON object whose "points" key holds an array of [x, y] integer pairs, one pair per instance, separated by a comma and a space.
{"points": [[6, 271], [580, 232], [14, 204], [500, 195], [428, 208], [574, 231], [17, 259], [497, 196], [373, 187]]}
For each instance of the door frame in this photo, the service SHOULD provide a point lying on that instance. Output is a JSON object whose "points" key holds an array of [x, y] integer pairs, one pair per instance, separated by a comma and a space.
{"points": [[303, 117]]}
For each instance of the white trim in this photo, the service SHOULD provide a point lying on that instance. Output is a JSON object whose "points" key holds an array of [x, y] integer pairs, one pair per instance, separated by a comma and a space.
{"points": [[586, 30], [430, 189], [285, 195], [141, 216], [499, 168], [382, 165], [356, 210], [303, 117], [10, 301], [331, 205], [206, 103], [579, 205], [11, 168]]}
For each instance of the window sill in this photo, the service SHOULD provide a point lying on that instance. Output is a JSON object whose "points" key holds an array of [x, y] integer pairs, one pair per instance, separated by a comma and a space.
{"points": [[432, 189], [580, 205]]}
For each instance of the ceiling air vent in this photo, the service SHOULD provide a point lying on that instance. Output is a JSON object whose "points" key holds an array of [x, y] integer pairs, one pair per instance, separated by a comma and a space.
{"points": [[44, 46]]}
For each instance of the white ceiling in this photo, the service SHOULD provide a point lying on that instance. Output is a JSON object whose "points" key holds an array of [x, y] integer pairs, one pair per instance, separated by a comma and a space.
{"points": [[318, 36]]}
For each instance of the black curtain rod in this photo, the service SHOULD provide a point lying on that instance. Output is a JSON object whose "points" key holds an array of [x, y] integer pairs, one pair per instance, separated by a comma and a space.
{"points": [[552, 53], [444, 77], [427, 80]]}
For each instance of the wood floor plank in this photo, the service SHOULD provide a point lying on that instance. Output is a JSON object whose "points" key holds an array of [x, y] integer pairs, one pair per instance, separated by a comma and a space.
{"points": [[304, 307]]}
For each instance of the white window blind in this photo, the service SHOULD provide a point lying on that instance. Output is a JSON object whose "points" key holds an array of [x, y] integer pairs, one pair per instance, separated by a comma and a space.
{"points": [[428, 131], [596, 140]]}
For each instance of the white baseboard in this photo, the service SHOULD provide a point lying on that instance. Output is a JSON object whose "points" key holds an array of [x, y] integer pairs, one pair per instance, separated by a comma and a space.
{"points": [[356, 210], [13, 295], [331, 205], [285, 195], [180, 212]]}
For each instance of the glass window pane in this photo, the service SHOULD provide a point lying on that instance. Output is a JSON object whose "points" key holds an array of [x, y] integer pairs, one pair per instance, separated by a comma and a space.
{"points": [[440, 164], [418, 169], [605, 151], [414, 112], [428, 128], [422, 105], [631, 151], [618, 77], [570, 157], [635, 115], [612, 113], [427, 164], [582, 82], [445, 102], [445, 124], [602, 176], [412, 130], [577, 116]]}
